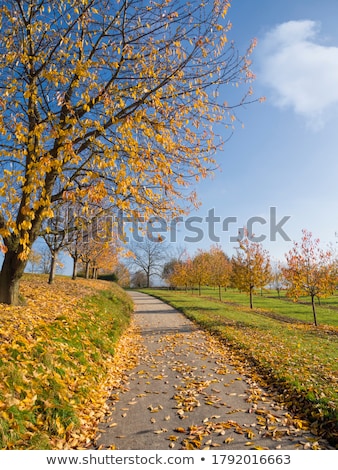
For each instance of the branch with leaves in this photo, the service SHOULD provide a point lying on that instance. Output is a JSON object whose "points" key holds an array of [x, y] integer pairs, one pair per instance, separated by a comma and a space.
{"points": [[104, 100]]}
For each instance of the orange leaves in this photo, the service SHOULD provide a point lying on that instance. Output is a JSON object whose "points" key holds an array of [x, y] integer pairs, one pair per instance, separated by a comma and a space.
{"points": [[251, 266], [116, 119], [310, 270], [206, 267]]}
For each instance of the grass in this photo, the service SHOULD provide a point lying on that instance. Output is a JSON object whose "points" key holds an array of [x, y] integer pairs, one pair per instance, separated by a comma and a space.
{"points": [[55, 362], [296, 358], [327, 310]]}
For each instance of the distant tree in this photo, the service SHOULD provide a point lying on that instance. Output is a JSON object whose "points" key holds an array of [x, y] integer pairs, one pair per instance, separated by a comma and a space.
{"points": [[181, 273], [251, 267], [310, 270], [278, 280], [147, 256], [102, 257], [122, 274], [34, 260], [220, 269], [201, 269], [74, 250], [139, 279]]}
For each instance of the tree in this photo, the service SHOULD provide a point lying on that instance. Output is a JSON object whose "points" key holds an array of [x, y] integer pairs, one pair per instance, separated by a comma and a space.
{"points": [[201, 269], [250, 267], [101, 256], [56, 236], [34, 260], [310, 270], [168, 271], [123, 275], [74, 251], [108, 100], [220, 269], [278, 281], [181, 273], [147, 256], [139, 279]]}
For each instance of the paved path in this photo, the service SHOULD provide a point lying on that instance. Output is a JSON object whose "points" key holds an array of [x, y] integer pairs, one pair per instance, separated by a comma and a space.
{"points": [[184, 395]]}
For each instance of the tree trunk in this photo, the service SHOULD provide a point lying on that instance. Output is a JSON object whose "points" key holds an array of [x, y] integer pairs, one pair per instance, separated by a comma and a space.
{"points": [[74, 274], [87, 270], [220, 292], [251, 302], [314, 309], [52, 268], [12, 270]]}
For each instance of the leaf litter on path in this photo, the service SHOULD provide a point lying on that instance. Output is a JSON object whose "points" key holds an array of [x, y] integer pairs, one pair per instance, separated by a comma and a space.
{"points": [[188, 375]]}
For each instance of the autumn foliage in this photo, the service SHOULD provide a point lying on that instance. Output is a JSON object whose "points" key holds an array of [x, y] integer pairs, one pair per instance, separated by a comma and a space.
{"points": [[207, 267], [105, 100], [251, 267], [310, 270]]}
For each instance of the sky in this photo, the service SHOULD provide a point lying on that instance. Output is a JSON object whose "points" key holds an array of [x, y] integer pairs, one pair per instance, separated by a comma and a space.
{"points": [[279, 172]]}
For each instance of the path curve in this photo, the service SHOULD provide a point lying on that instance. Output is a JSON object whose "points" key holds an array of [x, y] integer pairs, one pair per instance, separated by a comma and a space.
{"points": [[185, 395]]}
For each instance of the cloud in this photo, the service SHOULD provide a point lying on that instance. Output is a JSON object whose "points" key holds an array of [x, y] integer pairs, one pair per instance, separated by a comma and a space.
{"points": [[301, 70]]}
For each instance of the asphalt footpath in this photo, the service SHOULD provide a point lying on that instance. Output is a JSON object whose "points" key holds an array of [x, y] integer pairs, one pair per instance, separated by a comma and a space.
{"points": [[185, 394]]}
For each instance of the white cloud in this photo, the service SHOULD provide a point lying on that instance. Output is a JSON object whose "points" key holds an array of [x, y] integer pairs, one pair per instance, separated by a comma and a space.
{"points": [[302, 71]]}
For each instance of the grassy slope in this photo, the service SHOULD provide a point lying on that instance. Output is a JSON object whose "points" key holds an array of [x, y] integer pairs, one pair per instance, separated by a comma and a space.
{"points": [[298, 359], [56, 354]]}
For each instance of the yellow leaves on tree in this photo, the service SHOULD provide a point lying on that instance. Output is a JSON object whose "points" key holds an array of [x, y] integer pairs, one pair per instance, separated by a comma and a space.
{"points": [[310, 270], [250, 267], [115, 103], [211, 267]]}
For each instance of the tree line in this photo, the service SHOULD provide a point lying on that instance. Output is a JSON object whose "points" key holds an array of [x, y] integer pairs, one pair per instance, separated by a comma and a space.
{"points": [[308, 270]]}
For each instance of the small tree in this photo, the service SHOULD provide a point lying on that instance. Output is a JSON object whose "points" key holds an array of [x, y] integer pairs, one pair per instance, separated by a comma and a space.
{"points": [[123, 275], [310, 270], [55, 236], [201, 269], [169, 269], [251, 267], [182, 274], [278, 280], [220, 269], [139, 279]]}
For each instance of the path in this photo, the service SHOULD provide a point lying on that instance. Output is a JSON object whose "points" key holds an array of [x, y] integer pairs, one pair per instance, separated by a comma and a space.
{"points": [[184, 395]]}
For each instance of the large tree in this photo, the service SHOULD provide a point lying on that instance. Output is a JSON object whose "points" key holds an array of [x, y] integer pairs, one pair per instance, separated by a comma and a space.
{"points": [[104, 99], [220, 271]]}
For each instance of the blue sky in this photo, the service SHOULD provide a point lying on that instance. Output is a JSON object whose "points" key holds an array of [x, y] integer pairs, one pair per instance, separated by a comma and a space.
{"points": [[285, 157]]}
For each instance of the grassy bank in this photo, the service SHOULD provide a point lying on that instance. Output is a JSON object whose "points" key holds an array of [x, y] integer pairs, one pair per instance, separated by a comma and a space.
{"points": [[297, 359], [56, 359]]}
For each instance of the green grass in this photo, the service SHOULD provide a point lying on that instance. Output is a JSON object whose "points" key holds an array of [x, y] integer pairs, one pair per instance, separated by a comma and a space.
{"points": [[50, 376], [296, 358], [327, 310]]}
